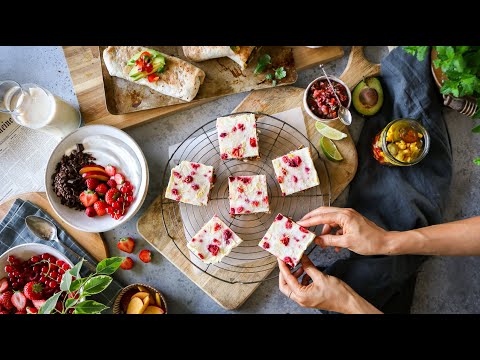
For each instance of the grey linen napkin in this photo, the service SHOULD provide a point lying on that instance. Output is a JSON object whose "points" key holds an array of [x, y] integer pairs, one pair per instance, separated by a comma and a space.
{"points": [[13, 232], [399, 198]]}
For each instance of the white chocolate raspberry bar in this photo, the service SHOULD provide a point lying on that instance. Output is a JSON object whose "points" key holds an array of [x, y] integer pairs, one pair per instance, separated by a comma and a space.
{"points": [[248, 194], [286, 240], [190, 183], [237, 136], [295, 171], [213, 241]]}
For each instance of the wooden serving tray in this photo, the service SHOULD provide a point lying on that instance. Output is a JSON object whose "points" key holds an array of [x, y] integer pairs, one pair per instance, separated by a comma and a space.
{"points": [[86, 72]]}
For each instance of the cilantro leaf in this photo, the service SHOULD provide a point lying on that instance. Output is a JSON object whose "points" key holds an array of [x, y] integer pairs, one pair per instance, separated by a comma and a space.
{"points": [[263, 61], [420, 51], [280, 73]]}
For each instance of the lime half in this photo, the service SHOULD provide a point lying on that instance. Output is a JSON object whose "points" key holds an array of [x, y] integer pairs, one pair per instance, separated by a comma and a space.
{"points": [[329, 132], [330, 150]]}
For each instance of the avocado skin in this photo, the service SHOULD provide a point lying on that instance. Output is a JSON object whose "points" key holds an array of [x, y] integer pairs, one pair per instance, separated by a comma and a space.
{"points": [[362, 108]]}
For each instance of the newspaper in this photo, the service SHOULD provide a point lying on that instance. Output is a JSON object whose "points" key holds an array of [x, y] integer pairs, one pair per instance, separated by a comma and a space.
{"points": [[24, 154]]}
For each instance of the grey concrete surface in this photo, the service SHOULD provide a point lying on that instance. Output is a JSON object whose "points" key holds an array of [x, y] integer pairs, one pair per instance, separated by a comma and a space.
{"points": [[445, 284]]}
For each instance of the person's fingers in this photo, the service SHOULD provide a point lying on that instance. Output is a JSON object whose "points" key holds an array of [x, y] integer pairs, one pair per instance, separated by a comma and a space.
{"points": [[326, 229], [306, 280], [291, 280], [320, 210], [298, 272], [340, 232], [324, 218], [331, 240], [282, 285], [310, 268]]}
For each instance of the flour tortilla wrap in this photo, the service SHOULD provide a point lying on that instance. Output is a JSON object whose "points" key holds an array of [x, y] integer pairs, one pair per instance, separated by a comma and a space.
{"points": [[180, 79], [202, 53]]}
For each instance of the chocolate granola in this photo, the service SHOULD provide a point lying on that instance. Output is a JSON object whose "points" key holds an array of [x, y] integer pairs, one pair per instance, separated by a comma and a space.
{"points": [[67, 181]]}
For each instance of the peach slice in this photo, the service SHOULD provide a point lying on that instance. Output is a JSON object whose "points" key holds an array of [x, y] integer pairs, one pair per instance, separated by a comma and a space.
{"points": [[100, 175], [146, 303], [142, 288], [92, 167], [142, 295], [158, 300], [135, 306], [153, 310]]}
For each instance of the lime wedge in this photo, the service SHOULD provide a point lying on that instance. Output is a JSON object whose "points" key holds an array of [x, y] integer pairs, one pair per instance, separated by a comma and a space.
{"points": [[330, 150], [329, 132]]}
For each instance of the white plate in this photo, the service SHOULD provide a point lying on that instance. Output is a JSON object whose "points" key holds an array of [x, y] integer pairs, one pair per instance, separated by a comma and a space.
{"points": [[26, 251], [137, 165]]}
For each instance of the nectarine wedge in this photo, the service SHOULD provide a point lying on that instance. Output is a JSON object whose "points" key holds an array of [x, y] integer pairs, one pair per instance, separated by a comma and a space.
{"points": [[102, 176], [153, 310], [92, 167]]}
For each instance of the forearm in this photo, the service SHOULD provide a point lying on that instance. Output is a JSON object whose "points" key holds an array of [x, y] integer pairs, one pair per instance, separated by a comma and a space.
{"points": [[456, 238], [350, 302]]}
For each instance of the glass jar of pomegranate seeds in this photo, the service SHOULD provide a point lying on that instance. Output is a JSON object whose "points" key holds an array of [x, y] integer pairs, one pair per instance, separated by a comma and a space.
{"points": [[403, 142]]}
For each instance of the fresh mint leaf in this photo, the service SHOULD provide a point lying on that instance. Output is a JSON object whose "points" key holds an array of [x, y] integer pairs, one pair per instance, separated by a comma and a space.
{"points": [[269, 77], [450, 52], [49, 305], [419, 51], [109, 265], [477, 161], [89, 307], [66, 281], [476, 129], [96, 284], [280, 73], [75, 271], [263, 61], [437, 63]]}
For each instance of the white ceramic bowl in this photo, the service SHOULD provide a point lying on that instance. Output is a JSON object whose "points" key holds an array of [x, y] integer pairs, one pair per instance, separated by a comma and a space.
{"points": [[26, 251], [305, 95], [96, 139]]}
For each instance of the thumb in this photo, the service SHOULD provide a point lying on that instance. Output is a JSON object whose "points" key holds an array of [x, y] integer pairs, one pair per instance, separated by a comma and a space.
{"points": [[310, 268], [331, 240]]}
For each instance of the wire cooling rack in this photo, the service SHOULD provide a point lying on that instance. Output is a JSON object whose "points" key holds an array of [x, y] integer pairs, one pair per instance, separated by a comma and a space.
{"points": [[247, 263]]}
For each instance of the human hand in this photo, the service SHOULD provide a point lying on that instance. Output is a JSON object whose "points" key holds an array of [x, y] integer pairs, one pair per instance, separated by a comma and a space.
{"points": [[324, 292], [356, 232]]}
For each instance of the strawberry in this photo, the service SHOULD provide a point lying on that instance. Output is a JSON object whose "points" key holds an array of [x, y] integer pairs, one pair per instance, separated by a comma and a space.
{"points": [[126, 244], [6, 300], [31, 310], [145, 256], [111, 196], [38, 303], [127, 264], [88, 198], [92, 183], [119, 178], [90, 212], [3, 285], [33, 290], [101, 189], [110, 170], [19, 301], [112, 183], [100, 207]]}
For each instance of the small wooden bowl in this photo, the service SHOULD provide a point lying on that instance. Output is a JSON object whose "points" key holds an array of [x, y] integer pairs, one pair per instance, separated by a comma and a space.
{"points": [[117, 305]]}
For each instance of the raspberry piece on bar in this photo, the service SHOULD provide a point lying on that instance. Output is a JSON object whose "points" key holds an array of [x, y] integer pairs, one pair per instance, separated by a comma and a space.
{"points": [[295, 171], [213, 241], [237, 136], [190, 183], [248, 194], [286, 240]]}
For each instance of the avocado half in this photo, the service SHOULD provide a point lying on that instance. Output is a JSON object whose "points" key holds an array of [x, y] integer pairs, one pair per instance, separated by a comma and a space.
{"points": [[367, 97]]}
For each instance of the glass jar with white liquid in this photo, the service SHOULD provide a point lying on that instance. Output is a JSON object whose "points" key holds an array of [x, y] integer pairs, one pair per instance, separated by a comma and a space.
{"points": [[37, 108]]}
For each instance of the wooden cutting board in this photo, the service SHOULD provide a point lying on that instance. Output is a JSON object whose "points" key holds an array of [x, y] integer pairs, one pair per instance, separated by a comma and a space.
{"points": [[91, 242], [270, 101], [86, 72]]}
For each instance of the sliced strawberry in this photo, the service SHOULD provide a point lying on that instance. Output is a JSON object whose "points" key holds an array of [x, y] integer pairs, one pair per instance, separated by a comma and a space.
{"points": [[126, 244], [6, 300], [119, 178], [88, 198], [38, 303], [3, 285], [127, 264], [110, 170], [145, 256], [31, 310], [19, 301]]}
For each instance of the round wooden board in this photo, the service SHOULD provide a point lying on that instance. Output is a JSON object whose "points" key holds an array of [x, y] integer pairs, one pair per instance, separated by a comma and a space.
{"points": [[91, 242]]}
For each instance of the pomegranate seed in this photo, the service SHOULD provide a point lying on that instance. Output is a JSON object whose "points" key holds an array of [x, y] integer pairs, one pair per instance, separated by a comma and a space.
{"points": [[279, 217], [130, 198], [8, 268], [266, 245], [53, 274]]}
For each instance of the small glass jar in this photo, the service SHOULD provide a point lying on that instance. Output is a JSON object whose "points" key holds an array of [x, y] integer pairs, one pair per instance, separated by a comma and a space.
{"points": [[403, 142]]}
